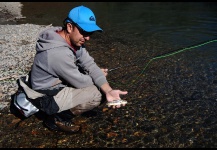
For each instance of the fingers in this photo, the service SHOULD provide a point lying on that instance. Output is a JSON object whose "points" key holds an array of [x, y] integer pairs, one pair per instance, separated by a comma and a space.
{"points": [[123, 92], [116, 106], [105, 71]]}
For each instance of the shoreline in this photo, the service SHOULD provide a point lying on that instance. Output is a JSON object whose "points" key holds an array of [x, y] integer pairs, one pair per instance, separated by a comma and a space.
{"points": [[10, 12], [17, 43], [17, 50]]}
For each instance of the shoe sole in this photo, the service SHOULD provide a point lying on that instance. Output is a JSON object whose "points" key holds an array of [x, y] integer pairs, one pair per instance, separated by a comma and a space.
{"points": [[50, 128], [71, 129]]}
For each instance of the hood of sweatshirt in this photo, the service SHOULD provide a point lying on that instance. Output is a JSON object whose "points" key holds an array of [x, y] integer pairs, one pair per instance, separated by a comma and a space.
{"points": [[49, 39]]}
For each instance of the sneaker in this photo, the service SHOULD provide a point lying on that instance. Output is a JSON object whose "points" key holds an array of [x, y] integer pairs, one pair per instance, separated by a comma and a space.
{"points": [[67, 126], [55, 123], [49, 122]]}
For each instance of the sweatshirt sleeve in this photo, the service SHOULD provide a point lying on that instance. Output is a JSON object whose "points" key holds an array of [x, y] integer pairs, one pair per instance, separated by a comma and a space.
{"points": [[89, 65], [62, 62]]}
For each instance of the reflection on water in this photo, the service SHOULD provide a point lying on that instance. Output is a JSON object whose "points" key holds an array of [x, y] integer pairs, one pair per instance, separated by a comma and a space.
{"points": [[173, 21], [178, 23]]}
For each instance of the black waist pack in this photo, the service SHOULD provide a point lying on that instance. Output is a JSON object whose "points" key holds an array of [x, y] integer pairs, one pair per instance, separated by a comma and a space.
{"points": [[30, 102]]}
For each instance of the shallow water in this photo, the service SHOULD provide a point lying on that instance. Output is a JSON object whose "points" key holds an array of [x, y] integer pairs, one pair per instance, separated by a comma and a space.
{"points": [[172, 100], [177, 24], [172, 21]]}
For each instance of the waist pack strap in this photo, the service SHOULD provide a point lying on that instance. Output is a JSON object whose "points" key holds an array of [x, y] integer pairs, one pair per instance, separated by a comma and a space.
{"points": [[41, 99], [50, 92], [29, 92]]}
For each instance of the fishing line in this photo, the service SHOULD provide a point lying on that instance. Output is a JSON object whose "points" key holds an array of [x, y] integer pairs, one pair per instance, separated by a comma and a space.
{"points": [[164, 56]]}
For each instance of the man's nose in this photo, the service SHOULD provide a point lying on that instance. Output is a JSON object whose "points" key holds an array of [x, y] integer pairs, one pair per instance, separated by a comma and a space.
{"points": [[87, 38]]}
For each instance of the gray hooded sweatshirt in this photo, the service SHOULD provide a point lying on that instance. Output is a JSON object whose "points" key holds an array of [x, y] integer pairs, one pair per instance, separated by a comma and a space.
{"points": [[57, 64]]}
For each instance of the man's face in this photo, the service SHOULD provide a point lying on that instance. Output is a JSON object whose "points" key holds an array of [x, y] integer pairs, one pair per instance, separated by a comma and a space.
{"points": [[78, 36]]}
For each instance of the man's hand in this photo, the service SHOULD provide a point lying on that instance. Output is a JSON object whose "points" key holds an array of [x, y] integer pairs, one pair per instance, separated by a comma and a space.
{"points": [[115, 95], [105, 71], [112, 94]]}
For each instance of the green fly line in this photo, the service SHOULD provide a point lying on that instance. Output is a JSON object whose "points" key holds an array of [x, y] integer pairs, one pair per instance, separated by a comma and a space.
{"points": [[170, 54]]}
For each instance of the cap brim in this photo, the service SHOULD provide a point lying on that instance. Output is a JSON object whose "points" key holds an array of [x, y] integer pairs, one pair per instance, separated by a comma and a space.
{"points": [[90, 27]]}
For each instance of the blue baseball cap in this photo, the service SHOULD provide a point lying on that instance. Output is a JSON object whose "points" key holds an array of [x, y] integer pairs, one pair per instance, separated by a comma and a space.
{"points": [[84, 18]]}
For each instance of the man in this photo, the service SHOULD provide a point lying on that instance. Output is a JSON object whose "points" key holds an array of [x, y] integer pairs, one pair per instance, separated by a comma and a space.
{"points": [[67, 74]]}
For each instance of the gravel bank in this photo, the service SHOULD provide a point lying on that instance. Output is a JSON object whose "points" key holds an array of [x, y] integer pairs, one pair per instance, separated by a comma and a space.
{"points": [[17, 50], [10, 11]]}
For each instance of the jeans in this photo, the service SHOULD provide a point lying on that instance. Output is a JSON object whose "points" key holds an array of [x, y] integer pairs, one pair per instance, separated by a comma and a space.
{"points": [[78, 100]]}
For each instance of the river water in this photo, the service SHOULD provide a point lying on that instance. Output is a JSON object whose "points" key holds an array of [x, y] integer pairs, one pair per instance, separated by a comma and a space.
{"points": [[178, 24], [184, 23]]}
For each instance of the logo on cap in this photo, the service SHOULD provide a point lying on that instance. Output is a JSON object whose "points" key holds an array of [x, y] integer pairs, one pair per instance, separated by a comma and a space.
{"points": [[92, 18]]}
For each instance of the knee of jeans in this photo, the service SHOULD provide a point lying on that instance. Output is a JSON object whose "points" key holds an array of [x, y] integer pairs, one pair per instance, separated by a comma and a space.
{"points": [[97, 99]]}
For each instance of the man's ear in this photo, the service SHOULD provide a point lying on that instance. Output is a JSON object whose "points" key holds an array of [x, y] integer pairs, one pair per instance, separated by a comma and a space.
{"points": [[69, 27]]}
